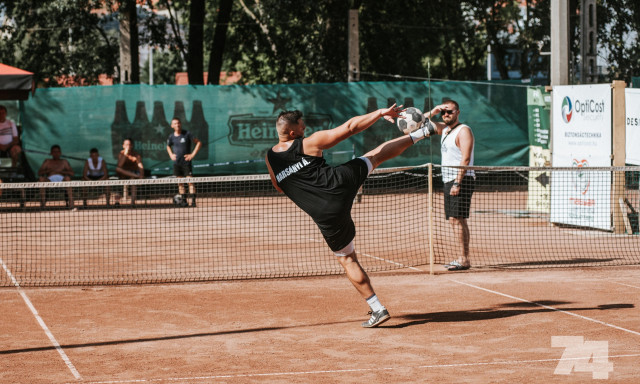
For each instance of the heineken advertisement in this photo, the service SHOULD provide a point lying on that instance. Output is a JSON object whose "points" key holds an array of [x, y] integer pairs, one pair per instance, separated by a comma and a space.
{"points": [[538, 119], [236, 124]]}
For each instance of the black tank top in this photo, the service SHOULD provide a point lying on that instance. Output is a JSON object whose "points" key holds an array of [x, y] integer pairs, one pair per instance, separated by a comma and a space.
{"points": [[307, 180]]}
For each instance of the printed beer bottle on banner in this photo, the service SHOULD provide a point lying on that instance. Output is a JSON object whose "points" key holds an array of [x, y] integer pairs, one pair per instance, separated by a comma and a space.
{"points": [[179, 112], [155, 136], [119, 127], [408, 102], [200, 129], [140, 122]]}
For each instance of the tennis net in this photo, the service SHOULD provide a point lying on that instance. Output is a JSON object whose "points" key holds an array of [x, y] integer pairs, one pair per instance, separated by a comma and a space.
{"points": [[242, 228]]}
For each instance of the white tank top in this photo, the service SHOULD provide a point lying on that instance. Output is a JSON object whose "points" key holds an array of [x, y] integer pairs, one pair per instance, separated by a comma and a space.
{"points": [[97, 171], [452, 155]]}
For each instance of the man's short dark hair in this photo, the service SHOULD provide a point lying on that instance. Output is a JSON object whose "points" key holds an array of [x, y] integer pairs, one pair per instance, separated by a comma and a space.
{"points": [[453, 102], [3, 107], [289, 117], [176, 118], [54, 146], [93, 150]]}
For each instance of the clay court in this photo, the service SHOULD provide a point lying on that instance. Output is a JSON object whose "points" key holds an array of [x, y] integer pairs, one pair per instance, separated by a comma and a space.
{"points": [[206, 313], [471, 327]]}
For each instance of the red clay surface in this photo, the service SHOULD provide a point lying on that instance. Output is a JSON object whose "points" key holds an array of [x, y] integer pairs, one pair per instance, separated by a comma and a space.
{"points": [[470, 327]]}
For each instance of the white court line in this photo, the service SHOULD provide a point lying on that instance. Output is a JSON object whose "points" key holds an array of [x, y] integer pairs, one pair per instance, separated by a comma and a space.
{"points": [[390, 262], [626, 285], [337, 371], [44, 327], [546, 306]]}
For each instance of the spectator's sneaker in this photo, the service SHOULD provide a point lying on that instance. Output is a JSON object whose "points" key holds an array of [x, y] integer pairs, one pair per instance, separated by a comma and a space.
{"points": [[376, 318]]}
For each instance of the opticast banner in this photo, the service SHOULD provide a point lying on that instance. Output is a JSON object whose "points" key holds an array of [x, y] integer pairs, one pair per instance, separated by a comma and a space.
{"points": [[581, 138], [236, 124], [539, 114], [632, 107]]}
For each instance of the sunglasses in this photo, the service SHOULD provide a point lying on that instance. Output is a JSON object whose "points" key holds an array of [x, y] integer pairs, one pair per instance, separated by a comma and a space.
{"points": [[447, 111]]}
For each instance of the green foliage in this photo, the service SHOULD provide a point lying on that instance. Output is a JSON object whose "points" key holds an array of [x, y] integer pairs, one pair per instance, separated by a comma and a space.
{"points": [[165, 65], [274, 41], [306, 41], [58, 38], [620, 34]]}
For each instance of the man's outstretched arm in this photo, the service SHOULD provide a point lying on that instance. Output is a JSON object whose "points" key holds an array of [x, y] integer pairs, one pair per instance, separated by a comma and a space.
{"points": [[326, 139]]}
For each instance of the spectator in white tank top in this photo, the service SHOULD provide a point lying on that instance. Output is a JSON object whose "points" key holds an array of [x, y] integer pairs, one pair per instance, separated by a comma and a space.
{"points": [[456, 146]]}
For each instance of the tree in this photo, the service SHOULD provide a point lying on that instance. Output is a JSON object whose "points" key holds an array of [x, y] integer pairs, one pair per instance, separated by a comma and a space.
{"points": [[289, 41], [219, 40], [619, 28], [59, 39], [195, 53], [129, 40], [166, 63]]}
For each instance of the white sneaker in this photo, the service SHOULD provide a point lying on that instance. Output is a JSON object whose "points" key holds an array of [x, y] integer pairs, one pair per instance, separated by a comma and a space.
{"points": [[376, 318]]}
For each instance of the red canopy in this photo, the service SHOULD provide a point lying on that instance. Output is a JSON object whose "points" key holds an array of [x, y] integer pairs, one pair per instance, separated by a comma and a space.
{"points": [[15, 83]]}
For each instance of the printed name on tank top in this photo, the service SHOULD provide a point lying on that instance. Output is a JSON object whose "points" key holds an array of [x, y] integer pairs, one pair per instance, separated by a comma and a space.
{"points": [[291, 169]]}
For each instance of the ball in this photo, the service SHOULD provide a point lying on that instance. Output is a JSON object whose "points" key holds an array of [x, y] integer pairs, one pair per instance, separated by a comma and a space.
{"points": [[410, 120]]}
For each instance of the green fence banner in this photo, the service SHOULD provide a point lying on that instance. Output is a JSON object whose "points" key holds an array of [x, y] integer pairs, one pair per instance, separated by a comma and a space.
{"points": [[237, 123]]}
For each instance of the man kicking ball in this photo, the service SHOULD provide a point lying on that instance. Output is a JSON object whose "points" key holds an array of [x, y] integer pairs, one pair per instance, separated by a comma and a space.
{"points": [[326, 193]]}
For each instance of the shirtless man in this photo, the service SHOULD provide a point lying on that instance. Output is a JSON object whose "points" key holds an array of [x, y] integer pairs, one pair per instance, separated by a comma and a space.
{"points": [[55, 170]]}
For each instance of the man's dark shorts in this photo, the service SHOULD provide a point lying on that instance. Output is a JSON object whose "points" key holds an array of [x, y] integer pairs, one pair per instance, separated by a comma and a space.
{"points": [[182, 170], [335, 221], [459, 205]]}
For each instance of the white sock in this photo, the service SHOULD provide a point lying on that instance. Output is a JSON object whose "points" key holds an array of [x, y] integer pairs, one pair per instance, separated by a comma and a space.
{"points": [[417, 135], [374, 303]]}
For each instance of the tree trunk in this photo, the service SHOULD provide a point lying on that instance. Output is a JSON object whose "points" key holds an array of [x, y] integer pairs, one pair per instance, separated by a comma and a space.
{"points": [[196, 32], [129, 41], [135, 43], [219, 40]]}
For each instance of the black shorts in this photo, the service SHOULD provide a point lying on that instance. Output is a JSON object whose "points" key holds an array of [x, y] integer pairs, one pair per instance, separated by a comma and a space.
{"points": [[7, 153], [459, 205], [334, 220], [91, 177], [182, 170]]}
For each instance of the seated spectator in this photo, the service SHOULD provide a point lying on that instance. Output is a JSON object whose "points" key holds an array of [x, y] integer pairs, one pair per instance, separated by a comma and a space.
{"points": [[9, 141], [55, 170], [95, 168], [129, 167]]}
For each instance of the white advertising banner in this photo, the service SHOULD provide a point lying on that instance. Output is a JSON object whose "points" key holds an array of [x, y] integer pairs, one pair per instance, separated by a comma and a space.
{"points": [[581, 138], [632, 107]]}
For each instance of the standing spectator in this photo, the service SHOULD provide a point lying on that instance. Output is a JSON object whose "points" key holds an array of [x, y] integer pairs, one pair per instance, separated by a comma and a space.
{"points": [[95, 169], [9, 140], [179, 146], [456, 146], [55, 170], [129, 167]]}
